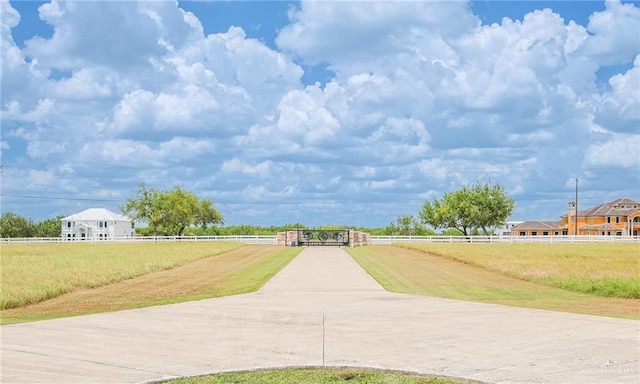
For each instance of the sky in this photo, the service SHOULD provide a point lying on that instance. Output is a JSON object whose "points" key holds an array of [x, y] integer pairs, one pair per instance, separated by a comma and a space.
{"points": [[318, 112]]}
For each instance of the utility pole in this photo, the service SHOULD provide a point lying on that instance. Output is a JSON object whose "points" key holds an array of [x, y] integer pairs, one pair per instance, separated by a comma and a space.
{"points": [[575, 217]]}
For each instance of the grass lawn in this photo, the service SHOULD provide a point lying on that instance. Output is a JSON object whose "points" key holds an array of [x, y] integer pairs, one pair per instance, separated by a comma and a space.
{"points": [[469, 272], [131, 275], [611, 270], [34, 273], [314, 376]]}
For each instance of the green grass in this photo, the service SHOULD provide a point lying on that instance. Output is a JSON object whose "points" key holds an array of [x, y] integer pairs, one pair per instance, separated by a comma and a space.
{"points": [[33, 273], [610, 270], [315, 376], [421, 272]]}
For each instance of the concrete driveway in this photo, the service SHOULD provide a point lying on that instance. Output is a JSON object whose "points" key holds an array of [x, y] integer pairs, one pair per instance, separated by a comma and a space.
{"points": [[324, 310]]}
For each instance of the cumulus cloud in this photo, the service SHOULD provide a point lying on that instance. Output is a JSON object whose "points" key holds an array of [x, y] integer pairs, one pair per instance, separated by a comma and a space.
{"points": [[423, 99], [619, 151], [619, 109], [614, 38], [84, 35]]}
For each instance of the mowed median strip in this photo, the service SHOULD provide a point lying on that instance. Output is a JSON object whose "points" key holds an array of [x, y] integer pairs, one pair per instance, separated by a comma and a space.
{"points": [[443, 271], [230, 269]]}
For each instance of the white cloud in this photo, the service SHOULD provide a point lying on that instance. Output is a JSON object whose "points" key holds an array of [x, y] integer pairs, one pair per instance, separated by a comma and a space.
{"points": [[619, 109], [340, 33], [41, 178], [424, 99], [84, 35], [42, 149], [614, 37], [80, 86], [236, 165], [618, 151]]}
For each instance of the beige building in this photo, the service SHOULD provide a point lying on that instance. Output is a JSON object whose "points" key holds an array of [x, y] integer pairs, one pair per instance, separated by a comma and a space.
{"points": [[620, 217]]}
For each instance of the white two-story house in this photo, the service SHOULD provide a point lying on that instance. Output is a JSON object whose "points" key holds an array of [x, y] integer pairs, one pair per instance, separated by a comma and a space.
{"points": [[97, 224]]}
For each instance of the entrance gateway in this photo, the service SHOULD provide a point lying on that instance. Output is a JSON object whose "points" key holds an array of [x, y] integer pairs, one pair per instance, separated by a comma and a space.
{"points": [[343, 237], [322, 237]]}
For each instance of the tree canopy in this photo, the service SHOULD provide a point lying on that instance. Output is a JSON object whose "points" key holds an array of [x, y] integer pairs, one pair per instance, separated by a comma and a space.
{"points": [[50, 227], [14, 225], [407, 225], [480, 207], [170, 212]]}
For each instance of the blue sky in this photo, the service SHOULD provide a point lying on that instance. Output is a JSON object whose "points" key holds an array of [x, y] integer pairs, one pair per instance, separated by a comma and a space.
{"points": [[341, 112]]}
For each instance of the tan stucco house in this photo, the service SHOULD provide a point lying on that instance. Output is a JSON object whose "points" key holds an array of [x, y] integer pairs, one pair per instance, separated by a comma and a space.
{"points": [[620, 217]]}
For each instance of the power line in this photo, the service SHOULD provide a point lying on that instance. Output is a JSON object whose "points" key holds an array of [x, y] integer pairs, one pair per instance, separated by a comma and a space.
{"points": [[62, 198], [297, 202]]}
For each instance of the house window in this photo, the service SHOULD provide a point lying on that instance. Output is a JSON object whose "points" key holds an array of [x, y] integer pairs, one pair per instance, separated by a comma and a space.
{"points": [[617, 220], [522, 233], [68, 224], [565, 232], [555, 233], [608, 219], [534, 233], [545, 233]]}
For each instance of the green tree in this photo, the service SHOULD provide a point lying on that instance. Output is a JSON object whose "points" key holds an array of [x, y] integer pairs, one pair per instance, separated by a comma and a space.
{"points": [[492, 206], [452, 232], [50, 227], [481, 206], [14, 225], [144, 206], [178, 210], [405, 225], [170, 212], [207, 214], [238, 230]]}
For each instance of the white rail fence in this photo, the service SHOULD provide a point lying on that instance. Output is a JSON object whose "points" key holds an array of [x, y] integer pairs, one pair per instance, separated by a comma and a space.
{"points": [[245, 239], [272, 239], [503, 239]]}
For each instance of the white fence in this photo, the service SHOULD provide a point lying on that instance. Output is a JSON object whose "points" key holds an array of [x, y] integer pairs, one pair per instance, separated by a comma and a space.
{"points": [[504, 239], [272, 239], [245, 239]]}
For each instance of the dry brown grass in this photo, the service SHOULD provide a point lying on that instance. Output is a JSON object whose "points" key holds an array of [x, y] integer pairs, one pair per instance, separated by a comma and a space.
{"points": [[33, 273], [605, 269], [241, 270], [413, 271]]}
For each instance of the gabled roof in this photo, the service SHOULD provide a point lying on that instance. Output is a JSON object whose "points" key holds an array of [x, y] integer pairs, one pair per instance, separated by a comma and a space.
{"points": [[538, 225], [96, 214], [619, 207]]}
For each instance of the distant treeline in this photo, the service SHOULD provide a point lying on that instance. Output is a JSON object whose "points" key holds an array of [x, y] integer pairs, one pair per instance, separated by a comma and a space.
{"points": [[17, 226], [256, 230]]}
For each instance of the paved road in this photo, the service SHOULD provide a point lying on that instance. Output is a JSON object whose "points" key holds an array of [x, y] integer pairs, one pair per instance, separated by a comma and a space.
{"points": [[324, 310]]}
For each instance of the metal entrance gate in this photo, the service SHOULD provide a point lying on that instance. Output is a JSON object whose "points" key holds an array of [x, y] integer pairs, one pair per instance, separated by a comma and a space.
{"points": [[322, 237]]}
